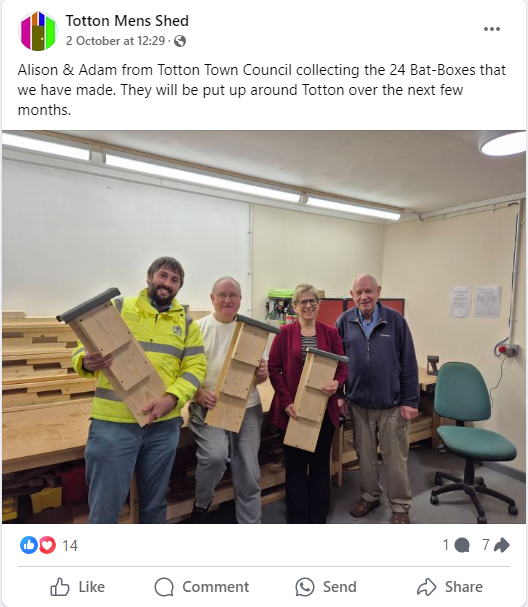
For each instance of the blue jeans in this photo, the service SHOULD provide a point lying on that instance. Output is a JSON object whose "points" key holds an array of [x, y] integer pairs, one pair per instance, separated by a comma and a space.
{"points": [[114, 451]]}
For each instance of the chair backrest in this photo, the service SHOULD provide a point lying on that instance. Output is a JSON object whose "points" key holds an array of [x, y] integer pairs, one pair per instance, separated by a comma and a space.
{"points": [[461, 393]]}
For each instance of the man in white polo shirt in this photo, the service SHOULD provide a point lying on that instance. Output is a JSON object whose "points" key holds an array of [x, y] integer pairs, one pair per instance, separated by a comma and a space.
{"points": [[216, 447]]}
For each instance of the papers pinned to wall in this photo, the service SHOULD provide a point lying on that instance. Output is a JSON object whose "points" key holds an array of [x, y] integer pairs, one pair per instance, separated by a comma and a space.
{"points": [[488, 302], [461, 302]]}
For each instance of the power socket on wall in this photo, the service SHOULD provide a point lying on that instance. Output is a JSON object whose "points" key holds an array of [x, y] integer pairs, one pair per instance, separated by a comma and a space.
{"points": [[509, 349]]}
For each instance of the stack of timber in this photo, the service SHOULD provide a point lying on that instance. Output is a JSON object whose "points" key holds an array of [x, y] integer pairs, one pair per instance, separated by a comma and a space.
{"points": [[36, 364]]}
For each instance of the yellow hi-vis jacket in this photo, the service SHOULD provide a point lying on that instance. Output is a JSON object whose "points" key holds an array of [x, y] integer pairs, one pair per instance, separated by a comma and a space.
{"points": [[174, 345]]}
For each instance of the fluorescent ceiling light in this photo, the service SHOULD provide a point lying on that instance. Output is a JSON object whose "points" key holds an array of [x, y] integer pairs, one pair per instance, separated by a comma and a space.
{"points": [[351, 208], [505, 145], [48, 147], [200, 178]]}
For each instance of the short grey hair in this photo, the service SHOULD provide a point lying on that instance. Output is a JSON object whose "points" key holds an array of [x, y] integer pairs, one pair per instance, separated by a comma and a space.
{"points": [[304, 287], [230, 278], [376, 284]]}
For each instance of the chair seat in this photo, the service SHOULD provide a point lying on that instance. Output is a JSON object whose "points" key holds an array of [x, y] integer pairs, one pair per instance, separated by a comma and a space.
{"points": [[477, 443]]}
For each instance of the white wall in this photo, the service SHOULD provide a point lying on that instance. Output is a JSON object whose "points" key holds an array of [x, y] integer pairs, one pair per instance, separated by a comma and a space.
{"points": [[68, 236], [423, 261], [291, 247]]}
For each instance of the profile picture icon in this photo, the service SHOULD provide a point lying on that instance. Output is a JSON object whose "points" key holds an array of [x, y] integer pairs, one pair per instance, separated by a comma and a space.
{"points": [[38, 31]]}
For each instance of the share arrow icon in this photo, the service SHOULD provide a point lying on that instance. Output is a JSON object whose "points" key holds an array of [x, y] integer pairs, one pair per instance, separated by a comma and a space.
{"points": [[502, 545], [428, 587]]}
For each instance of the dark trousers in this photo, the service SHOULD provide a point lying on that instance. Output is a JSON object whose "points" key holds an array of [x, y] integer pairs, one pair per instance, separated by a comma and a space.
{"points": [[308, 478]]}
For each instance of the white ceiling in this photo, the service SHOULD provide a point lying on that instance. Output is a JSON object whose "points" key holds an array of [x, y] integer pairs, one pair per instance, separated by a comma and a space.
{"points": [[419, 171]]}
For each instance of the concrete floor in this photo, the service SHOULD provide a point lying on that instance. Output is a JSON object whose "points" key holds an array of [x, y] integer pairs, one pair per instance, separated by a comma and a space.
{"points": [[423, 463]]}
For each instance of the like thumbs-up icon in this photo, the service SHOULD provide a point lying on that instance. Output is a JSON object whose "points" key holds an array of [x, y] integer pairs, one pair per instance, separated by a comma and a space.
{"points": [[60, 589]]}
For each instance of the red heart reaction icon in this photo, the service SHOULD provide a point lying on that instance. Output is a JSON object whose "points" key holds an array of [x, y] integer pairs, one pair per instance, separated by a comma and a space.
{"points": [[47, 544]]}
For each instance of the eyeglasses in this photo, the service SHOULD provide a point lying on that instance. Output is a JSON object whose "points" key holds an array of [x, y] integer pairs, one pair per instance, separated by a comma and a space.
{"points": [[228, 295], [305, 302]]}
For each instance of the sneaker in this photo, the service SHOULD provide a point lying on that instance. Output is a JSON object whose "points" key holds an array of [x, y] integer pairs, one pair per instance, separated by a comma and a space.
{"points": [[362, 507], [400, 518], [198, 515]]}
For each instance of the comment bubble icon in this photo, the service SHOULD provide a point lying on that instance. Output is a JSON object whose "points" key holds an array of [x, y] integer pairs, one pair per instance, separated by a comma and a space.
{"points": [[164, 587], [462, 544]]}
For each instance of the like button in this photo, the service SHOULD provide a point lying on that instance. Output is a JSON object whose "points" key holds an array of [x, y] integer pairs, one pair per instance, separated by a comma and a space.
{"points": [[60, 589]]}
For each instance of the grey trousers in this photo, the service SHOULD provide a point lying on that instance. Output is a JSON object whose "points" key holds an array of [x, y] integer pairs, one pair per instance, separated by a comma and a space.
{"points": [[393, 435], [215, 448]]}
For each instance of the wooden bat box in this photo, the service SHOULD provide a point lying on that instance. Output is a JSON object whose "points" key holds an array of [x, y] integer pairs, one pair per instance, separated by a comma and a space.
{"points": [[310, 402], [99, 326], [237, 377]]}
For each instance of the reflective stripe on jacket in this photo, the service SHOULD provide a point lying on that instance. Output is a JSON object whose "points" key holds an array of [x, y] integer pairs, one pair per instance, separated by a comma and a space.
{"points": [[173, 343]]}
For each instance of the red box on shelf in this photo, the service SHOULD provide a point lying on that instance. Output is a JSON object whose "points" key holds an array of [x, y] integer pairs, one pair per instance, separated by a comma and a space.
{"points": [[74, 487]]}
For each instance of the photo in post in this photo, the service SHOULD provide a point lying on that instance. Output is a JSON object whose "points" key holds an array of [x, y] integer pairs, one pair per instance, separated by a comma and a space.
{"points": [[236, 232]]}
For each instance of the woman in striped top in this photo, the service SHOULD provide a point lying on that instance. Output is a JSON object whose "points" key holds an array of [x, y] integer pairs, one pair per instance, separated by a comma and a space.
{"points": [[307, 474]]}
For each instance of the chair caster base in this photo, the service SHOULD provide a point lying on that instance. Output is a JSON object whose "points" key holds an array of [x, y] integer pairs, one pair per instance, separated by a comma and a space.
{"points": [[513, 510], [482, 520], [434, 500]]}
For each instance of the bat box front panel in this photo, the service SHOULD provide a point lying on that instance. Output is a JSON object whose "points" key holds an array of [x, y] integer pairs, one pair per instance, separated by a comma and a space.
{"points": [[321, 371], [250, 345], [107, 330], [238, 379], [302, 433], [312, 404], [228, 413], [130, 365]]}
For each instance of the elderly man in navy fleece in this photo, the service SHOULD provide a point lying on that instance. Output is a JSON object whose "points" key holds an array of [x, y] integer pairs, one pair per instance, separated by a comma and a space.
{"points": [[382, 390]]}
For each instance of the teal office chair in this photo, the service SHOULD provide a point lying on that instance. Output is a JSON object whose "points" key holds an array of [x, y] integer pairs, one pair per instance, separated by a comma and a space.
{"points": [[462, 395]]}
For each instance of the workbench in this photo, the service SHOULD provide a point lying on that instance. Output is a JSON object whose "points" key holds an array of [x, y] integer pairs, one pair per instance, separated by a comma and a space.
{"points": [[43, 437], [53, 435]]}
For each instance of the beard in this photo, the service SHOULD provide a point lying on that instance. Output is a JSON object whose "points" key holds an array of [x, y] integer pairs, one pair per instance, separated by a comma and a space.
{"points": [[162, 298]]}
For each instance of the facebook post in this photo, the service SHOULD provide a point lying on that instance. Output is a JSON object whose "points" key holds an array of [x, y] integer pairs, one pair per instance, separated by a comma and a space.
{"points": [[264, 266]]}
